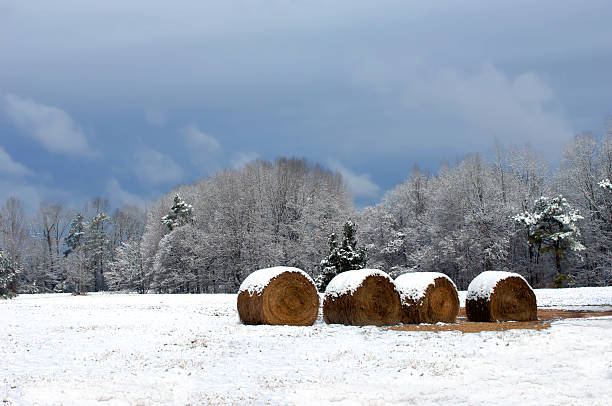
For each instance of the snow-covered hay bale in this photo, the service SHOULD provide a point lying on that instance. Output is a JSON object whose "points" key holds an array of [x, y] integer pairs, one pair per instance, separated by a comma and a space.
{"points": [[278, 296], [427, 297], [500, 296], [362, 297]]}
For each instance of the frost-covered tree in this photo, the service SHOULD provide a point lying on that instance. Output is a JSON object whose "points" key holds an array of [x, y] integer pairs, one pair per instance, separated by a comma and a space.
{"points": [[97, 248], [458, 221], [177, 264], [341, 258], [552, 227], [587, 164], [126, 271], [13, 230], [78, 275], [261, 215], [180, 214], [328, 269], [127, 224], [8, 277], [76, 234]]}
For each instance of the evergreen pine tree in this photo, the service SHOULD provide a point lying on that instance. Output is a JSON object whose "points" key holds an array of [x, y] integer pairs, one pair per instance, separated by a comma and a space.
{"points": [[328, 268], [74, 241], [551, 227], [345, 257], [8, 277], [75, 235], [97, 248], [180, 213]]}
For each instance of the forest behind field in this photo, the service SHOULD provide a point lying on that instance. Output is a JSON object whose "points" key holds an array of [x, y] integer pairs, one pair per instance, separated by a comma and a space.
{"points": [[511, 211]]}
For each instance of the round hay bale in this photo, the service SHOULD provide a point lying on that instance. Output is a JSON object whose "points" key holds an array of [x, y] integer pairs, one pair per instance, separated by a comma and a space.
{"points": [[360, 298], [500, 296], [278, 296], [427, 297]]}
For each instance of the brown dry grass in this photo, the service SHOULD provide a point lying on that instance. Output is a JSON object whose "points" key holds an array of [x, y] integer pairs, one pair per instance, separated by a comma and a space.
{"points": [[545, 316]]}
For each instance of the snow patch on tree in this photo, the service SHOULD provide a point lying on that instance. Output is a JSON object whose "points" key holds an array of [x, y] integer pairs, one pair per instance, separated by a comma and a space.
{"points": [[552, 219], [552, 227], [346, 257], [8, 277], [180, 213]]}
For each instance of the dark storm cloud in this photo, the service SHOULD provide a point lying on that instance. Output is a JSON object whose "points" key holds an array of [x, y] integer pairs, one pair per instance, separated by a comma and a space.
{"points": [[372, 87]]}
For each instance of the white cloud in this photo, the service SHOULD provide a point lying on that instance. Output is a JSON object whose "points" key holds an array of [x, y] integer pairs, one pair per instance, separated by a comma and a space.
{"points": [[203, 148], [119, 196], [360, 185], [484, 104], [32, 194], [154, 167], [498, 105], [200, 142], [240, 159], [10, 167], [50, 126]]}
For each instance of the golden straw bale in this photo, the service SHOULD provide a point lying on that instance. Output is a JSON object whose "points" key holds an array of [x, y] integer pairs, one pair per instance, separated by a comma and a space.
{"points": [[500, 296], [278, 296], [427, 297], [362, 297]]}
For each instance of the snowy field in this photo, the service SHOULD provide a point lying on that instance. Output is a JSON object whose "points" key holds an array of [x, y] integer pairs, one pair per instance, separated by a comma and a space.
{"points": [[115, 349]]}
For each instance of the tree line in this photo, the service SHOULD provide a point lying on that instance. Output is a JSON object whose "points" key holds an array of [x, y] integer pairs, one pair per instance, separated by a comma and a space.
{"points": [[512, 212]]}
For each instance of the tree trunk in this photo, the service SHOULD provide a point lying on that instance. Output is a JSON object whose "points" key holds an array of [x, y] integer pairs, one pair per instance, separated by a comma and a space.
{"points": [[558, 254]]}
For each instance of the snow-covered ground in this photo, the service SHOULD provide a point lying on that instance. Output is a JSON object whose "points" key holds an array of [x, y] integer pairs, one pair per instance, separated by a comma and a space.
{"points": [[115, 349]]}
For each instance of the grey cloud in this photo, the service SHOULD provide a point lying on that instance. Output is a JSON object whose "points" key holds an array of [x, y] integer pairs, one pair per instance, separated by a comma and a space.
{"points": [[154, 167], [496, 105], [9, 167], [203, 148], [200, 141], [52, 127], [120, 196], [492, 104], [377, 84], [360, 185], [32, 194]]}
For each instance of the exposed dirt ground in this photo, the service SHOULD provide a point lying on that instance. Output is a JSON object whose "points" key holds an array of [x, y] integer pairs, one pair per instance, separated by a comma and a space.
{"points": [[545, 316]]}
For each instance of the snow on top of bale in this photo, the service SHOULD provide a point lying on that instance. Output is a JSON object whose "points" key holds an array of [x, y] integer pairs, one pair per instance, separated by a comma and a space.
{"points": [[350, 281], [413, 285], [257, 281], [483, 285]]}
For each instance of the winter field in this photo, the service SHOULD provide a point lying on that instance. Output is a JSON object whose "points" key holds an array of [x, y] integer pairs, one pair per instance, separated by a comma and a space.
{"points": [[116, 349]]}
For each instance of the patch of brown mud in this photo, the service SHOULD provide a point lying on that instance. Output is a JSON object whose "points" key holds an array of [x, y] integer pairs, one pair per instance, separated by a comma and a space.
{"points": [[545, 316]]}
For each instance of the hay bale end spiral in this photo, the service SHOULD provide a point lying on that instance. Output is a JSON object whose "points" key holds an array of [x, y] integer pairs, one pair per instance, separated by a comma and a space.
{"points": [[500, 296], [362, 297], [278, 296], [427, 297]]}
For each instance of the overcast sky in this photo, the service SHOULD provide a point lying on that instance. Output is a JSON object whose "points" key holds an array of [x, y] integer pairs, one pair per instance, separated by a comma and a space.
{"points": [[129, 99]]}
